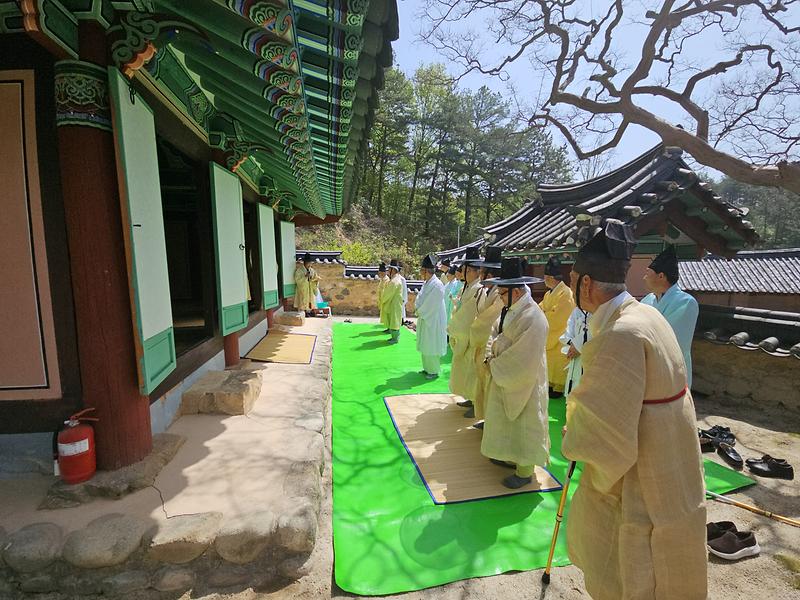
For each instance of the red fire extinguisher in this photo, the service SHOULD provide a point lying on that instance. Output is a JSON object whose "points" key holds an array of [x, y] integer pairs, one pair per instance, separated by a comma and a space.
{"points": [[77, 460]]}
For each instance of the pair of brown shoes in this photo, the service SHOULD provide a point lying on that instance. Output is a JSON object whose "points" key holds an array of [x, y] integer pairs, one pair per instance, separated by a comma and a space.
{"points": [[725, 541]]}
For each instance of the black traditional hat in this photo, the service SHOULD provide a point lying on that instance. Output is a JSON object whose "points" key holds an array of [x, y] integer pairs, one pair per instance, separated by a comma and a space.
{"points": [[607, 255], [553, 267], [393, 264], [512, 273], [452, 270], [382, 268], [429, 262], [494, 255], [307, 257], [666, 263], [446, 262], [472, 258]]}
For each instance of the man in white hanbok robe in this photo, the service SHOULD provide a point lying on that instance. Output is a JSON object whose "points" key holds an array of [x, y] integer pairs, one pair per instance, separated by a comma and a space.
{"points": [[431, 321], [404, 297], [516, 430], [573, 339]]}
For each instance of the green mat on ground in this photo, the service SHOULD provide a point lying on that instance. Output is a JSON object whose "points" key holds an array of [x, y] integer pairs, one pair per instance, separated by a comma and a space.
{"points": [[388, 535]]}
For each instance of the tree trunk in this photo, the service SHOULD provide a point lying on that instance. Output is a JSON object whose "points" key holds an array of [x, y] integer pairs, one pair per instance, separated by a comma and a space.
{"points": [[382, 164], [430, 192], [413, 188]]}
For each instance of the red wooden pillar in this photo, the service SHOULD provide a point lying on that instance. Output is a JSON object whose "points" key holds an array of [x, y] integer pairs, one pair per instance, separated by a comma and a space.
{"points": [[98, 263], [271, 317], [230, 344]]}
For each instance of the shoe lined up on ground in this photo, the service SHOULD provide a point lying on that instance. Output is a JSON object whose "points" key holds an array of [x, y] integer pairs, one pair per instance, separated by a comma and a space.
{"points": [[767, 466], [718, 529], [734, 545], [730, 455], [710, 439]]}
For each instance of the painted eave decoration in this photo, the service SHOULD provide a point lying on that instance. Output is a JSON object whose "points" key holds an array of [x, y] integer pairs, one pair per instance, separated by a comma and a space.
{"points": [[286, 89]]}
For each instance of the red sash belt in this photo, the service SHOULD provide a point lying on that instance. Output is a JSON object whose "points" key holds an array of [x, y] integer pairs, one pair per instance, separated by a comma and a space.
{"points": [[677, 396]]}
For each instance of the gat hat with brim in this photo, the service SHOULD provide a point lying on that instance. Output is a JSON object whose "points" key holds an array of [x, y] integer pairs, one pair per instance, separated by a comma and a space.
{"points": [[512, 273], [393, 264], [307, 257], [494, 255], [382, 268], [429, 262], [472, 258], [452, 270], [666, 262], [606, 257]]}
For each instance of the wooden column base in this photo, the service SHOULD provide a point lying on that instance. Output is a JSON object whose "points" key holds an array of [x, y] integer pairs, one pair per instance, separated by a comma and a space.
{"points": [[230, 343], [271, 317]]}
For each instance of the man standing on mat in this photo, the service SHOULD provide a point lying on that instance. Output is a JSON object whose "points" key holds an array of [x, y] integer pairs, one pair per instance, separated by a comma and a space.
{"points": [[489, 307], [679, 308], [516, 433], [636, 525], [557, 305], [391, 301], [431, 320], [462, 370]]}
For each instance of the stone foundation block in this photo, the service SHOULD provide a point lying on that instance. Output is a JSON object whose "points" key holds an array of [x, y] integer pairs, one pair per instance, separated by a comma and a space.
{"points": [[241, 540], [292, 318], [33, 547], [297, 531], [39, 584], [227, 576], [107, 541], [230, 392], [125, 583], [183, 538], [173, 579]]}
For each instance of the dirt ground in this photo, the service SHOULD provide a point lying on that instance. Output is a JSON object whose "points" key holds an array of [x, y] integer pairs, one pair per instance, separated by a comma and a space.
{"points": [[775, 574]]}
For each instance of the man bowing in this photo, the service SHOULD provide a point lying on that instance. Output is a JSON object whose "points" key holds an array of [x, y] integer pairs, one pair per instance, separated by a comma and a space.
{"points": [[431, 320], [636, 525]]}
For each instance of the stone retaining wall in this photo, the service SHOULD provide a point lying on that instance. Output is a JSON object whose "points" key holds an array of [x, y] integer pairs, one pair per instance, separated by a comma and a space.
{"points": [[747, 376], [351, 296]]}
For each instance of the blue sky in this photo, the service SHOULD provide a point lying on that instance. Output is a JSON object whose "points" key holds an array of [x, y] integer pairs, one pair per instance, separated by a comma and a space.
{"points": [[410, 52]]}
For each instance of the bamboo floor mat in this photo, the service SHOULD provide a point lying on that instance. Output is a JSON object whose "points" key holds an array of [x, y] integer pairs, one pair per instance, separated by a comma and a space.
{"points": [[446, 451], [282, 347]]}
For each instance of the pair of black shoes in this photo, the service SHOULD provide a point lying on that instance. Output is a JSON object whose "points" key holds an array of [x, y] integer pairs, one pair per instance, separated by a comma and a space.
{"points": [[767, 466]]}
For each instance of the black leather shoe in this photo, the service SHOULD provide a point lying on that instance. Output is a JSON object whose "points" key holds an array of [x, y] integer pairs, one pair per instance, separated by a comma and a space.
{"points": [[718, 434], [514, 482], [479, 425], [502, 463], [465, 403], [776, 468], [470, 414], [730, 455]]}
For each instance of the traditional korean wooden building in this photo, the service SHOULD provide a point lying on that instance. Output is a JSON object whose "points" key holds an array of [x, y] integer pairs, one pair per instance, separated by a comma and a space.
{"points": [[155, 158], [656, 192]]}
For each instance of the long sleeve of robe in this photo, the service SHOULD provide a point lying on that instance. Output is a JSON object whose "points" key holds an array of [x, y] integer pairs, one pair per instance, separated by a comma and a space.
{"points": [[382, 281], [404, 297], [302, 291], [680, 310], [577, 329], [462, 371], [431, 319], [557, 305], [636, 525], [391, 301], [451, 291], [490, 305], [516, 428]]}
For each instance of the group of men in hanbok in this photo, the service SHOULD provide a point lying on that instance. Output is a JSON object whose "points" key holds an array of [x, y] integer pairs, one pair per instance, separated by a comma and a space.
{"points": [[636, 525]]}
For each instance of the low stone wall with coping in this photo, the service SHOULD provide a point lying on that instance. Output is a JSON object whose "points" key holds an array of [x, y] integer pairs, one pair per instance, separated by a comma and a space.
{"points": [[351, 296]]}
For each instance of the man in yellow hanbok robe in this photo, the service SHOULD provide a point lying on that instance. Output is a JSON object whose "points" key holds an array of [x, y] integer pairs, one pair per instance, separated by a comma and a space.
{"points": [[392, 301], [303, 300], [382, 281], [515, 432], [462, 369], [557, 305], [636, 526], [489, 306]]}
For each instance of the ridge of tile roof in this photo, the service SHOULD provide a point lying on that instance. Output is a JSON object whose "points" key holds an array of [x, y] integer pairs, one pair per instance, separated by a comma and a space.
{"points": [[754, 272]]}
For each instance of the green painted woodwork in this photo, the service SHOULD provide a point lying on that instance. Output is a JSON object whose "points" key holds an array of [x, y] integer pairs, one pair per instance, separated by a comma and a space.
{"points": [[269, 254], [141, 196], [271, 299], [233, 318], [288, 262], [228, 218], [159, 359]]}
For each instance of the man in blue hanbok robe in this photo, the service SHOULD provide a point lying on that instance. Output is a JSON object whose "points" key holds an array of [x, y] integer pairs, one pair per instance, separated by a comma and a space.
{"points": [[679, 308]]}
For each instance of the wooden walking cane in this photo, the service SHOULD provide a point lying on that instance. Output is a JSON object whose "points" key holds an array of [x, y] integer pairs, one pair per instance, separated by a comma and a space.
{"points": [[754, 509], [559, 516]]}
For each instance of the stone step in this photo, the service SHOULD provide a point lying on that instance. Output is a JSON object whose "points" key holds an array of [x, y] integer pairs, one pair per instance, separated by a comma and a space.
{"points": [[231, 392], [292, 318]]}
